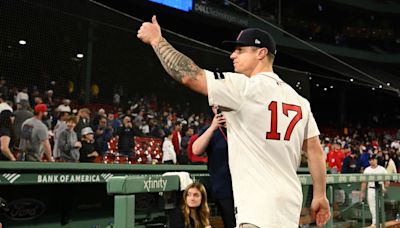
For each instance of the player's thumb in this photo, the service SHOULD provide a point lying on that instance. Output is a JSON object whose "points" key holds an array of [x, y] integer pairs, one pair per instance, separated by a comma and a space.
{"points": [[154, 20]]}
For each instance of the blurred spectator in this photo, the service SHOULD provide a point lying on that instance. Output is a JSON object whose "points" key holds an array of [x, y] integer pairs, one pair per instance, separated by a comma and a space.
{"points": [[335, 158], [177, 139], [38, 100], [49, 100], [58, 129], [113, 121], [35, 98], [83, 117], [87, 152], [379, 156], [100, 114], [389, 164], [6, 135], [364, 158], [169, 155], [4, 88], [326, 146], [395, 144], [125, 135], [65, 106], [116, 99], [68, 143], [3, 104], [34, 136], [139, 118], [22, 113], [184, 145], [103, 134], [145, 128], [156, 130], [22, 95], [350, 163]]}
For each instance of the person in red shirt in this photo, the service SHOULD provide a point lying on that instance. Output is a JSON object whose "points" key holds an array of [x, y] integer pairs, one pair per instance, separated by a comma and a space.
{"points": [[335, 158], [195, 159]]}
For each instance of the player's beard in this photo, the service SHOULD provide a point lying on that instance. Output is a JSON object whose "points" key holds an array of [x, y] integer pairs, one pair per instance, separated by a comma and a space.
{"points": [[45, 117]]}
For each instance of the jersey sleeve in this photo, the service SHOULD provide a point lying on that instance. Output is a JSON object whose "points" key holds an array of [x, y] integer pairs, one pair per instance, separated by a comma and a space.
{"points": [[311, 129], [226, 89]]}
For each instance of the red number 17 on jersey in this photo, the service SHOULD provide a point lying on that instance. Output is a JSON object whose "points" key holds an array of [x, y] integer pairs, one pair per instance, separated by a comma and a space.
{"points": [[273, 107]]}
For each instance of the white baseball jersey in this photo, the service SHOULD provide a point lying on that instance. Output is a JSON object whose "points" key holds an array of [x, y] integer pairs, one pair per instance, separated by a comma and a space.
{"points": [[267, 124], [371, 189], [377, 170]]}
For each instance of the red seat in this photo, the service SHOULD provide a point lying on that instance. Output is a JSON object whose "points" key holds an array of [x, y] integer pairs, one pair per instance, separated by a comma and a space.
{"points": [[112, 145]]}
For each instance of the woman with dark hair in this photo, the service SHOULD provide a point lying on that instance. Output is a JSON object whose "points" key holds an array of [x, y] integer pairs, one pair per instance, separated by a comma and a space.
{"points": [[6, 135], [389, 163], [195, 209]]}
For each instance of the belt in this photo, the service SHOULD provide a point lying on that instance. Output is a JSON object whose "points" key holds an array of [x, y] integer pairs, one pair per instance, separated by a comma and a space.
{"points": [[372, 187]]}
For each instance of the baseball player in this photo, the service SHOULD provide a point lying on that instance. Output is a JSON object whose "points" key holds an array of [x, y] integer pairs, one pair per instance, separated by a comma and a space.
{"points": [[373, 168], [268, 125]]}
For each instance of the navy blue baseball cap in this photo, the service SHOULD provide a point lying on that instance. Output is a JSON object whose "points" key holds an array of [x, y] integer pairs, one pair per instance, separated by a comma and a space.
{"points": [[372, 156], [253, 37]]}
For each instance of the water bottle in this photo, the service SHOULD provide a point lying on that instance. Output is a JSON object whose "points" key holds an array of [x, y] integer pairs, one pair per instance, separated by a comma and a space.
{"points": [[398, 217]]}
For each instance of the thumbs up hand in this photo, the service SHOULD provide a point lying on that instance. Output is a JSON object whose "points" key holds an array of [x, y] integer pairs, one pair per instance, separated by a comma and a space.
{"points": [[150, 32]]}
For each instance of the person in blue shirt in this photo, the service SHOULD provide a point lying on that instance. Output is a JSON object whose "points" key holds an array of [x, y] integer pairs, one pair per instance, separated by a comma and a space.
{"points": [[213, 141], [364, 158]]}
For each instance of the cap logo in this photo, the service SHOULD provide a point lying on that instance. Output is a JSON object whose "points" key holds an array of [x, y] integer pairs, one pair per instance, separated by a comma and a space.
{"points": [[239, 35], [257, 41]]}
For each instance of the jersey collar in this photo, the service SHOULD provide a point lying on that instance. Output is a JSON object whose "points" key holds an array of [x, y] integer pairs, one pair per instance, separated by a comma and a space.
{"points": [[271, 75]]}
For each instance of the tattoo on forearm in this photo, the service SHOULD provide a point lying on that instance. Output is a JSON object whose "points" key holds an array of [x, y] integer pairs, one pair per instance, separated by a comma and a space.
{"points": [[175, 63]]}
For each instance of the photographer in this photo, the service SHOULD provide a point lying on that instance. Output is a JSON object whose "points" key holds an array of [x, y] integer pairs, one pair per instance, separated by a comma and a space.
{"points": [[125, 135]]}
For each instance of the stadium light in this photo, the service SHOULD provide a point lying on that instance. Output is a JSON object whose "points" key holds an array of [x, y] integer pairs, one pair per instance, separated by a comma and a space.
{"points": [[373, 88], [79, 55], [388, 83], [331, 86], [317, 85], [380, 86], [351, 79], [22, 42], [325, 89]]}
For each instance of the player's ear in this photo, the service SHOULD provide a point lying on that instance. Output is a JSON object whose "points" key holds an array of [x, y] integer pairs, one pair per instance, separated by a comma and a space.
{"points": [[262, 53]]}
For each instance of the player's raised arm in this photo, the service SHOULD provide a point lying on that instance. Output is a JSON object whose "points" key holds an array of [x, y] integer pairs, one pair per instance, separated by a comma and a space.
{"points": [[179, 66]]}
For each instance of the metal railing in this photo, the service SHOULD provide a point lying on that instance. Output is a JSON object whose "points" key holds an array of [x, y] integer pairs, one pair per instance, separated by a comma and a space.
{"points": [[124, 190]]}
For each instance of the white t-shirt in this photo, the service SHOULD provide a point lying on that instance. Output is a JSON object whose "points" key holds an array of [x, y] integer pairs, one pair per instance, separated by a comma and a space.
{"points": [[168, 151], [377, 170], [5, 106], [22, 96], [267, 191]]}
